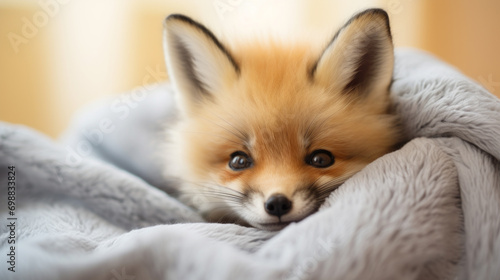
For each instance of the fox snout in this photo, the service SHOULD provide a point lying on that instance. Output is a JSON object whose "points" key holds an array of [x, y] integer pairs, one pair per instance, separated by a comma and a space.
{"points": [[272, 198], [278, 205]]}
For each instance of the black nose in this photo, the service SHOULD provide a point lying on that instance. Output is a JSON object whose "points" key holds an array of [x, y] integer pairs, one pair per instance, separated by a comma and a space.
{"points": [[278, 205]]}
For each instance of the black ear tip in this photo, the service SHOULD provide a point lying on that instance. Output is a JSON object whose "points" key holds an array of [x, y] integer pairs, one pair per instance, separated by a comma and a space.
{"points": [[373, 13], [377, 11], [179, 17], [174, 17]]}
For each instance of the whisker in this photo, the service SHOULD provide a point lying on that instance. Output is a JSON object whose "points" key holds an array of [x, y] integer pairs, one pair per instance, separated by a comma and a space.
{"points": [[327, 189], [213, 186], [222, 206], [224, 218], [223, 194], [216, 195], [324, 190]]}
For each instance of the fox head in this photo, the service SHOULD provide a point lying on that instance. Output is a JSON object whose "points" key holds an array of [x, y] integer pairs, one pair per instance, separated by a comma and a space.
{"points": [[268, 130]]}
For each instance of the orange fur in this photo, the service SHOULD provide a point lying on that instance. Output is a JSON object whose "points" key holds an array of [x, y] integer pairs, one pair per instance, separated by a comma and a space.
{"points": [[277, 113]]}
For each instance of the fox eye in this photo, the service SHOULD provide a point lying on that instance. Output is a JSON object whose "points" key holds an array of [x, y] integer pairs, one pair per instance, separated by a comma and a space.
{"points": [[320, 159], [239, 161]]}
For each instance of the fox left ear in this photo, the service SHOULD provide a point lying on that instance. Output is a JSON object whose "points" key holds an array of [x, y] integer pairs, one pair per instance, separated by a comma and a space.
{"points": [[198, 64], [360, 58]]}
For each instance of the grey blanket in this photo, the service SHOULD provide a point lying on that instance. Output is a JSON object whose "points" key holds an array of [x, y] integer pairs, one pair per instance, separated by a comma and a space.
{"points": [[94, 206]]}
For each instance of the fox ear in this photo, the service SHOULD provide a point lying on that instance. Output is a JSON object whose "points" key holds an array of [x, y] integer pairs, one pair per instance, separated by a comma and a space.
{"points": [[197, 62], [359, 60]]}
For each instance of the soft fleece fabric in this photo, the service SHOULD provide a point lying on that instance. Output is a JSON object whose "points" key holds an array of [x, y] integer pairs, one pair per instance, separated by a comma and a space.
{"points": [[91, 207]]}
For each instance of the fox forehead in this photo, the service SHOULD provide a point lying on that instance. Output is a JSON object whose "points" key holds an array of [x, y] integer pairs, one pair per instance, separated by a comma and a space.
{"points": [[272, 72], [276, 62], [274, 92]]}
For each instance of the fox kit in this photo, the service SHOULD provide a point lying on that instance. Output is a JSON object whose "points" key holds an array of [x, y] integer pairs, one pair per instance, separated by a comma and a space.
{"points": [[268, 130]]}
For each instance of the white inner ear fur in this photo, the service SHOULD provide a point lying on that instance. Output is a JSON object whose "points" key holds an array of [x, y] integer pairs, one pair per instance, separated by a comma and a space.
{"points": [[338, 64], [211, 66]]}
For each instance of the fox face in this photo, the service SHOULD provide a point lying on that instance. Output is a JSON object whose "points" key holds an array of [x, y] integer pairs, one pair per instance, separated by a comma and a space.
{"points": [[268, 130]]}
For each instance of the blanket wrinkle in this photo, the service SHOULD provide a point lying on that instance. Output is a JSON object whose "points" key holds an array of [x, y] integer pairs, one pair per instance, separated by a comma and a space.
{"points": [[96, 205]]}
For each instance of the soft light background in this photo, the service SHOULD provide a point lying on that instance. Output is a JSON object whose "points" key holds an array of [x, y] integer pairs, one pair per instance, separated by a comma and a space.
{"points": [[58, 55]]}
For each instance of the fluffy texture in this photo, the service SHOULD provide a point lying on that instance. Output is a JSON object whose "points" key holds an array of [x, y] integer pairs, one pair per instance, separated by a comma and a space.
{"points": [[275, 106], [427, 211]]}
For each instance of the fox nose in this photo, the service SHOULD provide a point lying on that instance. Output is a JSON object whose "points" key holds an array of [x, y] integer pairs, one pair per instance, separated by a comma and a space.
{"points": [[278, 205]]}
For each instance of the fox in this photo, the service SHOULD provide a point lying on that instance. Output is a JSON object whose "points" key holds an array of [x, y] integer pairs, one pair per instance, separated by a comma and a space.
{"points": [[267, 130]]}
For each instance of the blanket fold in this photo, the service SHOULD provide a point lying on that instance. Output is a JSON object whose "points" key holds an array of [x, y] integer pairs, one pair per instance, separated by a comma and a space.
{"points": [[97, 206]]}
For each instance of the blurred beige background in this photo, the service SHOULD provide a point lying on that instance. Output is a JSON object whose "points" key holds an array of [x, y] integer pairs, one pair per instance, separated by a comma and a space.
{"points": [[58, 55]]}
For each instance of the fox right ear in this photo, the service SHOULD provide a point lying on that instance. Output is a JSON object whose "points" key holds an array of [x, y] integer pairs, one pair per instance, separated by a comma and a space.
{"points": [[199, 65], [359, 60]]}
